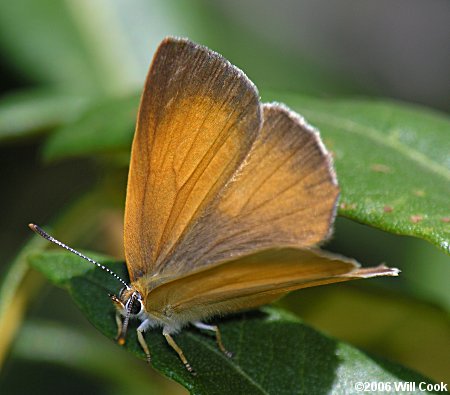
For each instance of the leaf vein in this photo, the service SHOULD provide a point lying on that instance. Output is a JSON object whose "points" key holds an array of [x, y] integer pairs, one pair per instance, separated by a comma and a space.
{"points": [[373, 134]]}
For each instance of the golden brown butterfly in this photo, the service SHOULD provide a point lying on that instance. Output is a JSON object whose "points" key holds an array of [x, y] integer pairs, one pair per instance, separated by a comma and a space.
{"points": [[226, 199]]}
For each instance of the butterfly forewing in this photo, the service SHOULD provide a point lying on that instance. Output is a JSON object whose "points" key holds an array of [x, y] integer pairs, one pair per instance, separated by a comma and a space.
{"points": [[198, 118], [283, 196]]}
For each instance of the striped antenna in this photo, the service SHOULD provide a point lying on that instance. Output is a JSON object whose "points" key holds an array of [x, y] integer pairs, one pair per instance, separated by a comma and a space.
{"points": [[123, 332], [46, 236]]}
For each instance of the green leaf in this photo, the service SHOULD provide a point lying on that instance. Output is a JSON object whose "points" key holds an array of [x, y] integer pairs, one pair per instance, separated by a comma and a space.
{"points": [[45, 40], [107, 127], [274, 352], [418, 331], [87, 46], [392, 162], [29, 112], [18, 286]]}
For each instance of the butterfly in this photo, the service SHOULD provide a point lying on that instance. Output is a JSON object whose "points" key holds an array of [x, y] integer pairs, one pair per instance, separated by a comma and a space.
{"points": [[227, 200]]}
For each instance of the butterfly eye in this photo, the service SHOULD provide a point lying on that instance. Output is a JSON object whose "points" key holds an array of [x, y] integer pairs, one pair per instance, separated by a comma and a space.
{"points": [[136, 307]]}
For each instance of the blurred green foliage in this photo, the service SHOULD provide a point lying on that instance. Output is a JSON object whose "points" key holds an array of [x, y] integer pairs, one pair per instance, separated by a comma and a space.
{"points": [[72, 70]]}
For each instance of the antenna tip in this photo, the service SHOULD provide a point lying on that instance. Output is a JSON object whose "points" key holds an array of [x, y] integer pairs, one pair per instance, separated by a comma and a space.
{"points": [[32, 227]]}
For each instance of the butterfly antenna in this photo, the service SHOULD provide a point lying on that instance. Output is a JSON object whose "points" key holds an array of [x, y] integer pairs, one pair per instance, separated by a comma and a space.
{"points": [[46, 236], [123, 332]]}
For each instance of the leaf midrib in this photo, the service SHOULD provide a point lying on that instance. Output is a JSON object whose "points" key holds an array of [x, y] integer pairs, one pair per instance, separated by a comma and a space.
{"points": [[373, 134], [230, 362]]}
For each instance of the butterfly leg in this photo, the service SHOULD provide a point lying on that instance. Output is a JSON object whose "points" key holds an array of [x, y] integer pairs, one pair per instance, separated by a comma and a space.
{"points": [[179, 351], [140, 335], [215, 329]]}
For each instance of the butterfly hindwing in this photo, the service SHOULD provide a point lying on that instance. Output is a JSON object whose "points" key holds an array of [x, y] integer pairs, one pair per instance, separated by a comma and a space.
{"points": [[253, 280], [283, 196]]}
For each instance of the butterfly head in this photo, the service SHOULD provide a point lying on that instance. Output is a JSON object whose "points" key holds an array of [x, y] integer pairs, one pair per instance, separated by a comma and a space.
{"points": [[129, 305], [129, 302]]}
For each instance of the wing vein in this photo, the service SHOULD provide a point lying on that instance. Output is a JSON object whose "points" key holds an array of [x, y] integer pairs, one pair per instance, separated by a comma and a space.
{"points": [[220, 140]]}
